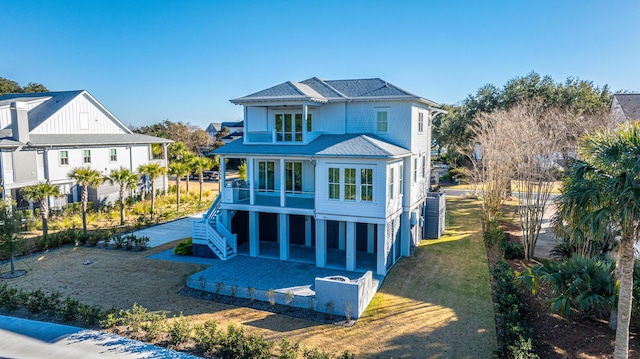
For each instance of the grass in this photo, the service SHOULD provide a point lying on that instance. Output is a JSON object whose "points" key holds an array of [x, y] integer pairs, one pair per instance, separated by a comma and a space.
{"points": [[470, 186], [433, 304]]}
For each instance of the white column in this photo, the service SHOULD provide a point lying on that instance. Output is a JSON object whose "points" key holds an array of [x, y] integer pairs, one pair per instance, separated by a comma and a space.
{"points": [[223, 174], [283, 235], [321, 243], [307, 231], [282, 183], [254, 234], [370, 237], [250, 177], [341, 235], [165, 177], [304, 123], [405, 233], [351, 246], [381, 265]]}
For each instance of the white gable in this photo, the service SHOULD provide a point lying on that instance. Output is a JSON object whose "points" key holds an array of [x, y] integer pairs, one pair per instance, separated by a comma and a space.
{"points": [[82, 115]]}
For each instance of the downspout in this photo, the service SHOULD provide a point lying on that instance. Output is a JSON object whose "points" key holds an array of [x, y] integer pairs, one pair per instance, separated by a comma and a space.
{"points": [[165, 178]]}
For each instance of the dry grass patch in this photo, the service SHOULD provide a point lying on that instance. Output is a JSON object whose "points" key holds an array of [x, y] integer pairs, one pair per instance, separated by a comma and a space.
{"points": [[435, 303]]}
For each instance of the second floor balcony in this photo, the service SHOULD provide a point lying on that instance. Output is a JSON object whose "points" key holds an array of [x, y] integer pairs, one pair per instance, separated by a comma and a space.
{"points": [[240, 192]]}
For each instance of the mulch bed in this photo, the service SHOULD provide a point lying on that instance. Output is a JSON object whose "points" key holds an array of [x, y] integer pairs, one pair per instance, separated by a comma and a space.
{"points": [[556, 337]]}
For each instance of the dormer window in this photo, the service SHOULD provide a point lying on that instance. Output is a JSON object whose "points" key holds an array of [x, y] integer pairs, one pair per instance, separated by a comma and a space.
{"points": [[381, 121]]}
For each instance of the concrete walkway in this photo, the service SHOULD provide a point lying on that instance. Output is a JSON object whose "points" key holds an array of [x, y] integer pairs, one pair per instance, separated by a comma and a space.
{"points": [[168, 232], [29, 339]]}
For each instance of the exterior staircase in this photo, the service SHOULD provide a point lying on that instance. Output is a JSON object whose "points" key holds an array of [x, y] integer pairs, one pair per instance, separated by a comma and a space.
{"points": [[210, 231]]}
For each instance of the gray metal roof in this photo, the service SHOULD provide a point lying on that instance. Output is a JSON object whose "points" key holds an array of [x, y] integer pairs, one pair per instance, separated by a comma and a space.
{"points": [[348, 145], [97, 139], [318, 90], [630, 104]]}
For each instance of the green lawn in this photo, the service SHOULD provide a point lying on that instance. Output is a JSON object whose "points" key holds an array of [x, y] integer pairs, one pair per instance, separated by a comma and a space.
{"points": [[441, 295]]}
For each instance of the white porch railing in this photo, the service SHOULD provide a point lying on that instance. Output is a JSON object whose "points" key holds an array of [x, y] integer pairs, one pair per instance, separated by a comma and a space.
{"points": [[217, 237]]}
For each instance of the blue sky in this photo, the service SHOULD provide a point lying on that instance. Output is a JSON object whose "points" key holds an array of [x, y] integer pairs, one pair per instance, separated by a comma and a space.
{"points": [[148, 61]]}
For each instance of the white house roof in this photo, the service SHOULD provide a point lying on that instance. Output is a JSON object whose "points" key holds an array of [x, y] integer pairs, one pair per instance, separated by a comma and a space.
{"points": [[52, 102], [348, 145], [55, 101], [318, 90], [630, 105]]}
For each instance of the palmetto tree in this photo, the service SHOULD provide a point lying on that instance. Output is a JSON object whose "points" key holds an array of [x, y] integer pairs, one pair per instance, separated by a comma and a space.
{"points": [[178, 169], [187, 157], [41, 192], [610, 173], [86, 177], [198, 165], [153, 170], [125, 179]]}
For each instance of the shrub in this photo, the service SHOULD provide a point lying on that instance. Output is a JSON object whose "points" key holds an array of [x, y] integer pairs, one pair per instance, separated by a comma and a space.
{"points": [[154, 325], [271, 294], [206, 336], [118, 241], [514, 334], [494, 235], [179, 330], [329, 307], [315, 353], [141, 243], [287, 350], [68, 311], [184, 248], [237, 344], [512, 250], [9, 297]]}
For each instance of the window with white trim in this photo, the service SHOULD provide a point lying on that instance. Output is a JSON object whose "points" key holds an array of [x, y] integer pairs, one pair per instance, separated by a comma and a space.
{"points": [[381, 121], [391, 182], [86, 157], [349, 184], [113, 155], [424, 166], [366, 185], [64, 158], [288, 127], [309, 123], [420, 122], [334, 183], [266, 175], [415, 170], [293, 177], [400, 179]]}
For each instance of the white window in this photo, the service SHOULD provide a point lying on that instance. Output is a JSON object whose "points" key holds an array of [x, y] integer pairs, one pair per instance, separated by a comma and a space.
{"points": [[424, 167], [86, 157], [381, 121], [334, 183], [64, 158], [415, 170], [309, 123], [293, 174], [400, 178], [420, 122], [366, 183], [289, 127], [113, 155], [350, 184], [391, 182], [266, 175]]}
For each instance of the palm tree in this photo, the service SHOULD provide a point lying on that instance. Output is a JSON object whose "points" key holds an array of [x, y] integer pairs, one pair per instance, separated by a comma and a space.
{"points": [[198, 165], [153, 170], [125, 179], [177, 151], [41, 192], [187, 157], [610, 173], [86, 177], [178, 169]]}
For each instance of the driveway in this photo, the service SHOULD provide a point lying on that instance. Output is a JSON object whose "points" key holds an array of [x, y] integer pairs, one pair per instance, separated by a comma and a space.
{"points": [[168, 232], [30, 339]]}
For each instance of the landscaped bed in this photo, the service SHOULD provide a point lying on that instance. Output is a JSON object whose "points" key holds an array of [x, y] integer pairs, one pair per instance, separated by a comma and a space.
{"points": [[436, 303]]}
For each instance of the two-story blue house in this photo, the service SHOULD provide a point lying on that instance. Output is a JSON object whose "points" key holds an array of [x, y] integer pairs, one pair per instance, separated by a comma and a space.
{"points": [[337, 173]]}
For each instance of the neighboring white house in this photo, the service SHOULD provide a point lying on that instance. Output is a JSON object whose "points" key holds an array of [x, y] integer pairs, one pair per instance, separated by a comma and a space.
{"points": [[43, 136], [339, 166], [625, 107]]}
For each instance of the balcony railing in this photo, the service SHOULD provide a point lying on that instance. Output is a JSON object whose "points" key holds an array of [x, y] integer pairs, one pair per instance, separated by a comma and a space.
{"points": [[270, 198]]}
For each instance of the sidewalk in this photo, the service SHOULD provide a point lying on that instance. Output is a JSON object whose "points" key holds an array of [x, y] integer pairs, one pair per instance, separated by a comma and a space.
{"points": [[27, 339]]}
